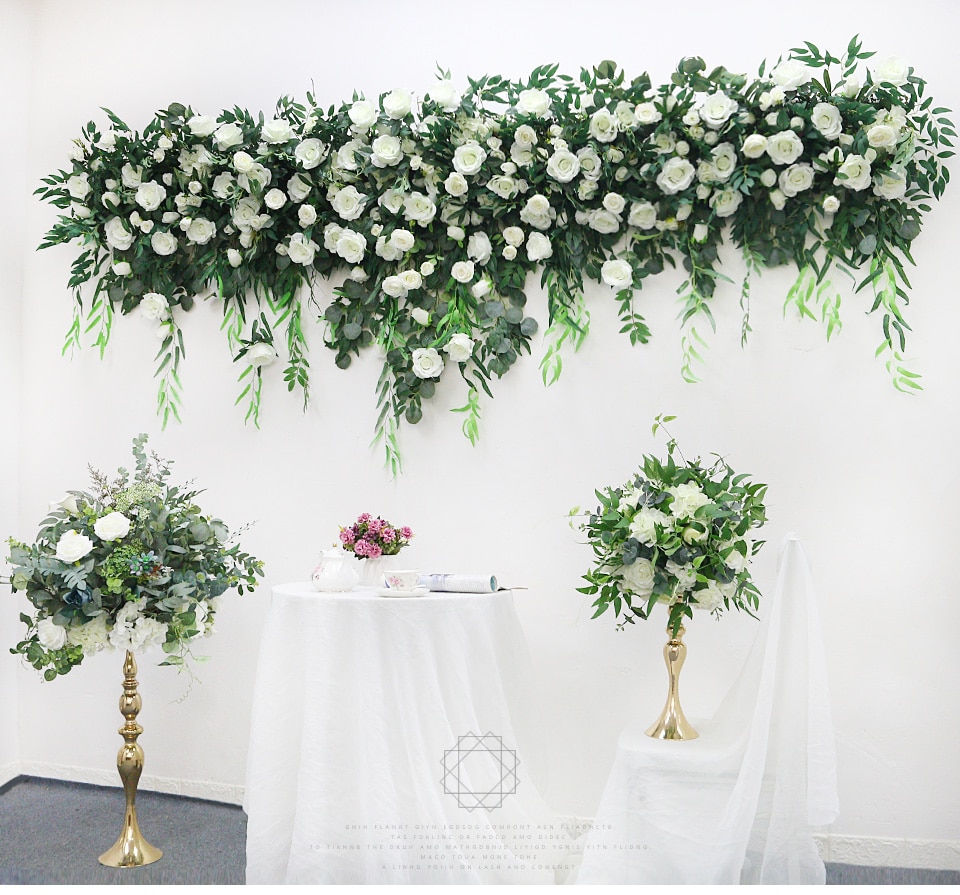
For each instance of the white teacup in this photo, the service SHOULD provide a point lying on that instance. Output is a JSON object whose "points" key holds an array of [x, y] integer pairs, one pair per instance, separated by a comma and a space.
{"points": [[403, 580]]}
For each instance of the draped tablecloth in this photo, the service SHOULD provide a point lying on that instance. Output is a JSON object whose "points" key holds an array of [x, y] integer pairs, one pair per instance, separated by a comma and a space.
{"points": [[385, 743], [737, 804]]}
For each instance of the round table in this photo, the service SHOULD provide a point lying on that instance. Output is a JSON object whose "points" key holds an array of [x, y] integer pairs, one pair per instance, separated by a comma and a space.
{"points": [[384, 744]]}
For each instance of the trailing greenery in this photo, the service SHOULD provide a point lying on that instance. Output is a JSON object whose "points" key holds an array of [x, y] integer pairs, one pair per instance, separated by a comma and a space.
{"points": [[432, 215]]}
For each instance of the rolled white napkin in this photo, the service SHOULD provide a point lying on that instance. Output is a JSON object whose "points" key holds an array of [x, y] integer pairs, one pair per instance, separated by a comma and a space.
{"points": [[461, 584]]}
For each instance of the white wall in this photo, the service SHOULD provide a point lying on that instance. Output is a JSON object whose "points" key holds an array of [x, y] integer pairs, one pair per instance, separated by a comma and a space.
{"points": [[866, 476], [15, 59]]}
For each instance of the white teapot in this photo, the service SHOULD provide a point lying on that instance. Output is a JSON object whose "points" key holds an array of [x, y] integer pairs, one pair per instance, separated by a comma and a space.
{"points": [[335, 572]]}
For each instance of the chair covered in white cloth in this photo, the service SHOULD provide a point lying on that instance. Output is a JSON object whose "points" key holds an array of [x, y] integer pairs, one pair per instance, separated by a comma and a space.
{"points": [[737, 804]]}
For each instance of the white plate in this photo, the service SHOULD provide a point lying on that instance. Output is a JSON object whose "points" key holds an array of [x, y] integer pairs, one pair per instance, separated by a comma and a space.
{"points": [[393, 592]]}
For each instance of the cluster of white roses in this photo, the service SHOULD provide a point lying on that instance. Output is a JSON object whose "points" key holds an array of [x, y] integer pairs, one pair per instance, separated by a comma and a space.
{"points": [[655, 527]]}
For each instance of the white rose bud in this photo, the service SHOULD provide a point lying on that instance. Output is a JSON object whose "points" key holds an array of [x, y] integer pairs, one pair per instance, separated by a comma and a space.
{"points": [[234, 258], [421, 316]]}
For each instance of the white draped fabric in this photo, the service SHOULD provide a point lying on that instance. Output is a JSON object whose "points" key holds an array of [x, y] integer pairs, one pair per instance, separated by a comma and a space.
{"points": [[737, 804], [386, 746]]}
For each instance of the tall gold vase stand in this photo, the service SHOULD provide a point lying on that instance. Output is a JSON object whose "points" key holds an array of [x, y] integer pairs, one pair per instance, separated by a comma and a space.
{"points": [[131, 849], [672, 723]]}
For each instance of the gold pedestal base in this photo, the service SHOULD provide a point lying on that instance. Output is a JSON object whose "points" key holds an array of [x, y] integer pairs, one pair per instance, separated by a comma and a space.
{"points": [[131, 849], [672, 723]]}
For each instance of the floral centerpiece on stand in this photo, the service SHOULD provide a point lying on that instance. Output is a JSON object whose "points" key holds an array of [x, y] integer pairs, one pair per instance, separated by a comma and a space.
{"points": [[131, 564], [676, 533]]}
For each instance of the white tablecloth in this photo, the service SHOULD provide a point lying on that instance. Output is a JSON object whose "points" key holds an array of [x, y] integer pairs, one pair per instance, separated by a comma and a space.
{"points": [[384, 744], [737, 804]]}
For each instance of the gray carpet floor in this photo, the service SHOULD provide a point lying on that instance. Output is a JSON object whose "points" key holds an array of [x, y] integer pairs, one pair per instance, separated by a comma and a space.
{"points": [[51, 832]]}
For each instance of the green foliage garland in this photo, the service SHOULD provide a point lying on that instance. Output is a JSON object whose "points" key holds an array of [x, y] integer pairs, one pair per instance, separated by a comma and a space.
{"points": [[436, 214]]}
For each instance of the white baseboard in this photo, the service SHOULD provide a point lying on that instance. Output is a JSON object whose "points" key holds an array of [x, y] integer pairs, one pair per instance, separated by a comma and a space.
{"points": [[229, 793], [10, 772], [834, 848], [870, 851]]}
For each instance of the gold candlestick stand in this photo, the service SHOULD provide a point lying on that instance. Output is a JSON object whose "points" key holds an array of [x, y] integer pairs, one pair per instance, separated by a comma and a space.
{"points": [[672, 724], [131, 849]]}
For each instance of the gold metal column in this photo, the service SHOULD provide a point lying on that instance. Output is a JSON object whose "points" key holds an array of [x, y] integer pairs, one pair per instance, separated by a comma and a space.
{"points": [[672, 724], [131, 849]]}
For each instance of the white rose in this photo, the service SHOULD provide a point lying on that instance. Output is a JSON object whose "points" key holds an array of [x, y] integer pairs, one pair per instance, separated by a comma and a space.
{"points": [[525, 136], [163, 243], [468, 158], [275, 199], [351, 246], [112, 527], [456, 184], [708, 598], [677, 174], [348, 203], [796, 179], [402, 240], [462, 271], [261, 355], [784, 148], [362, 114], [421, 316], [603, 221], [790, 74], [509, 252], [617, 273], [716, 109], [687, 498], [769, 177], [309, 153], [51, 636], [419, 208], [882, 136], [723, 162], [563, 166], [393, 286], [754, 146], [427, 363], [445, 95], [538, 247], [459, 348], [277, 130], [117, 235], [227, 136], [726, 202], [533, 102], [154, 306], [505, 186], [643, 215], [854, 173], [604, 126], [122, 268], [890, 184], [150, 195], [456, 233], [77, 186], [234, 258], [306, 215], [831, 204], [638, 577], [202, 125], [223, 185], [73, 546], [243, 162], [200, 231], [411, 279], [891, 70], [647, 113], [397, 103], [386, 151], [513, 236], [614, 203], [297, 188], [826, 118], [537, 212], [301, 250], [479, 248]]}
